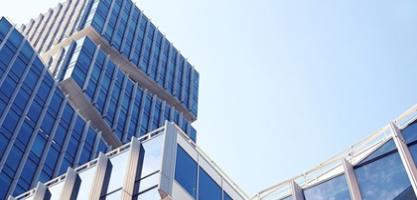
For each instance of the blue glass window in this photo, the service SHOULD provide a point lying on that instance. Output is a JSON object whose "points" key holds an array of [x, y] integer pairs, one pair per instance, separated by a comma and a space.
{"points": [[226, 196], [335, 188], [186, 171], [208, 189]]}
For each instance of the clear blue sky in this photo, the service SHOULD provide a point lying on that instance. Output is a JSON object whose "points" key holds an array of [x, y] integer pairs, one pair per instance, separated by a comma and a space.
{"points": [[286, 84]]}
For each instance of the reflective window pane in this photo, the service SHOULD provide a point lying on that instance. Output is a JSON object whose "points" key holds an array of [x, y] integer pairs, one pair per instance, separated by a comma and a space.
{"points": [[208, 189], [335, 188], [153, 155], [383, 179], [385, 148]]}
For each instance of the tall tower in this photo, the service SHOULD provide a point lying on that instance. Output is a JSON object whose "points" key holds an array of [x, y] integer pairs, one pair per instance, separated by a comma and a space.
{"points": [[85, 77]]}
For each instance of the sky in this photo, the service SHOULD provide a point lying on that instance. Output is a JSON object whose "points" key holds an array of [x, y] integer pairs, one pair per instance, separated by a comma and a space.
{"points": [[285, 84]]}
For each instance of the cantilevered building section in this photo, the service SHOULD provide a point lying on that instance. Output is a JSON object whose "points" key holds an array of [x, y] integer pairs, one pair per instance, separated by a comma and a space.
{"points": [[163, 164], [382, 167], [127, 35]]}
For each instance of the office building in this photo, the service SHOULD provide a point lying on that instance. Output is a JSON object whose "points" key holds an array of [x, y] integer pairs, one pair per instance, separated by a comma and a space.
{"points": [[100, 83], [163, 164], [41, 133]]}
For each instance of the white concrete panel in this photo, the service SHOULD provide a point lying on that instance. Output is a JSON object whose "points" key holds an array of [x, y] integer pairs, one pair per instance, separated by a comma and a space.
{"points": [[179, 193]]}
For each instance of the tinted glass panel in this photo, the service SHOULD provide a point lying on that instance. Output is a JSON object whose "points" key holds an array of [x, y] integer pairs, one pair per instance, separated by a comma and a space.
{"points": [[335, 188], [410, 133], [186, 171], [208, 189], [387, 147], [383, 179]]}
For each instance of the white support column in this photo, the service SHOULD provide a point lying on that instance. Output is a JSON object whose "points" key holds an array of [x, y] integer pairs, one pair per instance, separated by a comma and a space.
{"points": [[101, 179], [405, 155], [71, 185], [169, 157], [297, 191], [134, 169], [41, 192], [351, 180]]}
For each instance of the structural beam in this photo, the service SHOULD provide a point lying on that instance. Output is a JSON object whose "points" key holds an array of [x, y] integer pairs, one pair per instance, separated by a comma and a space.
{"points": [[41, 192], [351, 180], [71, 185], [134, 169], [101, 179], [297, 191]]}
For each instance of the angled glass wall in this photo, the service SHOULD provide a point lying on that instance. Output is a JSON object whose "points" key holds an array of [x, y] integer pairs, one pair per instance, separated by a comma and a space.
{"points": [[371, 169]]}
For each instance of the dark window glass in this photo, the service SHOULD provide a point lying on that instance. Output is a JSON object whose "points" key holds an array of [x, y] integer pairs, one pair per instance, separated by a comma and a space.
{"points": [[208, 189], [410, 133], [226, 196], [335, 188], [186, 171]]}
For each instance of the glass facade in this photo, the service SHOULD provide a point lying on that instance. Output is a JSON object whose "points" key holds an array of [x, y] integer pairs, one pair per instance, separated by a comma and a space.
{"points": [[126, 107], [375, 166], [126, 162], [127, 30], [186, 172], [41, 134]]}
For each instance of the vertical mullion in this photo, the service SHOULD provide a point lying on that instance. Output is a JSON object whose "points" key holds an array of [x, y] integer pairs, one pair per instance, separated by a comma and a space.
{"points": [[351, 180], [101, 178], [82, 143], [106, 23], [66, 142], [15, 134], [50, 141], [76, 17], [133, 170], [129, 113], [297, 191], [55, 28], [119, 105], [141, 110], [129, 22], [35, 27], [64, 24], [90, 68], [100, 80], [135, 37], [49, 26], [41, 28], [71, 185]]}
